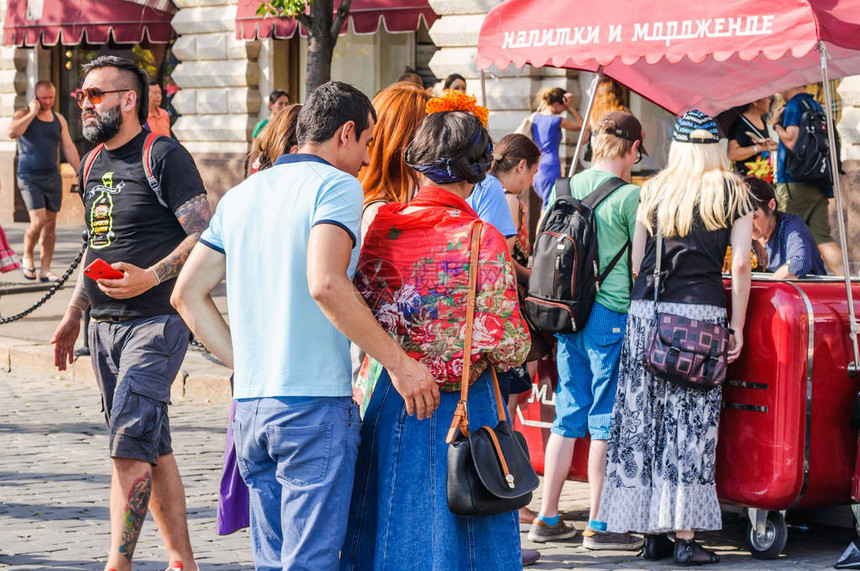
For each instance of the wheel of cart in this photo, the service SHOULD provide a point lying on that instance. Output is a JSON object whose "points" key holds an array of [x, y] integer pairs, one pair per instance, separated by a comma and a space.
{"points": [[767, 533]]}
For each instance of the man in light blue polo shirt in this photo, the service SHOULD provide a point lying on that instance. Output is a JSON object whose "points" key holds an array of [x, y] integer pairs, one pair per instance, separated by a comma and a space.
{"points": [[286, 240]]}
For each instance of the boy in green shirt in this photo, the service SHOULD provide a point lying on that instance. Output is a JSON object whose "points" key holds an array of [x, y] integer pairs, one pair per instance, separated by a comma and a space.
{"points": [[588, 360]]}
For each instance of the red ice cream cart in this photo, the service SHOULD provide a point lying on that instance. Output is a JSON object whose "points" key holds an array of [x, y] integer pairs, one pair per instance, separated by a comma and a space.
{"points": [[785, 435]]}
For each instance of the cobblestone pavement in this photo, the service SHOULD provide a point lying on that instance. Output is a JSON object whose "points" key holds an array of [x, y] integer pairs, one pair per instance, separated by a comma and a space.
{"points": [[54, 493]]}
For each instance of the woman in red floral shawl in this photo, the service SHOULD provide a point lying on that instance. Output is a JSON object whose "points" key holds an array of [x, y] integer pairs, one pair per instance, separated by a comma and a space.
{"points": [[413, 272]]}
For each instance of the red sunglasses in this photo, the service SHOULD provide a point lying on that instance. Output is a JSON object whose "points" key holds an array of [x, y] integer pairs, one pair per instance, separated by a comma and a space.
{"points": [[96, 96]]}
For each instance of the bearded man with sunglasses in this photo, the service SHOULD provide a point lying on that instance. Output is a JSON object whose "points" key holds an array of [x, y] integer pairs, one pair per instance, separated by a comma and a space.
{"points": [[143, 219]]}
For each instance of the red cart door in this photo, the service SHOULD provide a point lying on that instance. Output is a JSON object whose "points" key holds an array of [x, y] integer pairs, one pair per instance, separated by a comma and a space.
{"points": [[535, 414]]}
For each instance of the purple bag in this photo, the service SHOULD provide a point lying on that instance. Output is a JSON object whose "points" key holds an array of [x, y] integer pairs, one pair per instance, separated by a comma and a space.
{"points": [[687, 352], [234, 510]]}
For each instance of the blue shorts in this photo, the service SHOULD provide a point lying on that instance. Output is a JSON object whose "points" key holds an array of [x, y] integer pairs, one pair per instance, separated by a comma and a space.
{"points": [[135, 362], [588, 375], [41, 190]]}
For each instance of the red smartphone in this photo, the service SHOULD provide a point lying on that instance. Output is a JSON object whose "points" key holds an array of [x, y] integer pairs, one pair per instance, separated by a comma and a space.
{"points": [[100, 269]]}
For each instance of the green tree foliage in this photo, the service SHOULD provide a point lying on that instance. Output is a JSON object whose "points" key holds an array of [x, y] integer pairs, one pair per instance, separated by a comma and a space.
{"points": [[323, 26]]}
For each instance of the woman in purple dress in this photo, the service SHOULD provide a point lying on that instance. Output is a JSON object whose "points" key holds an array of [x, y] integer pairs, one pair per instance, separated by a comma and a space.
{"points": [[546, 133]]}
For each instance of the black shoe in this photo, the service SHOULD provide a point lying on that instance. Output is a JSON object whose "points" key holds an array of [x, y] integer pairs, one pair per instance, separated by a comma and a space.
{"points": [[530, 557], [657, 546], [688, 552]]}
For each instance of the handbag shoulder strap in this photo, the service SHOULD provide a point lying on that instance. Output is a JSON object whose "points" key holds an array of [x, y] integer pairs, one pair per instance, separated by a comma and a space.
{"points": [[657, 264], [461, 416], [753, 127]]}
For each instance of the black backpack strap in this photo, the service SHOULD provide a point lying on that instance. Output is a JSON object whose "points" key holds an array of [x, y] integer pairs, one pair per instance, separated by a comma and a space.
{"points": [[597, 196], [562, 187], [614, 261], [806, 107], [600, 193]]}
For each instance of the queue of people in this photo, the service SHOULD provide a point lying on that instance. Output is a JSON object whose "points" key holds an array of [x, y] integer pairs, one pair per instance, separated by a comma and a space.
{"points": [[356, 227]]}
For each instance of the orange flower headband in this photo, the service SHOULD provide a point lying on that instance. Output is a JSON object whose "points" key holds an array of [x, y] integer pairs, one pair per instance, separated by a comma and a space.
{"points": [[454, 100]]}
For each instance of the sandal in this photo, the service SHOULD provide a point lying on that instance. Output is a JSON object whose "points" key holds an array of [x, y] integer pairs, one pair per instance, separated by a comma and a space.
{"points": [[688, 553], [29, 273], [526, 520], [657, 546], [49, 278]]}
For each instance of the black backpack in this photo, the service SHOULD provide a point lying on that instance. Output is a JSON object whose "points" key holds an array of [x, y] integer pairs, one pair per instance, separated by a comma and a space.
{"points": [[565, 277], [809, 161]]}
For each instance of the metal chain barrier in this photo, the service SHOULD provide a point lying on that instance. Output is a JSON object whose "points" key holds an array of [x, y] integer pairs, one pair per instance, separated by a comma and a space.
{"points": [[56, 286], [59, 283]]}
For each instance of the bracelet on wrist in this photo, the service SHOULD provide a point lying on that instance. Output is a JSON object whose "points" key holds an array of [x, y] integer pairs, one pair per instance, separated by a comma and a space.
{"points": [[80, 310], [157, 277]]}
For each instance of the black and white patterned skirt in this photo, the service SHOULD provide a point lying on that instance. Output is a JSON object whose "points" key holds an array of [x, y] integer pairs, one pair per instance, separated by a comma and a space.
{"points": [[662, 441]]}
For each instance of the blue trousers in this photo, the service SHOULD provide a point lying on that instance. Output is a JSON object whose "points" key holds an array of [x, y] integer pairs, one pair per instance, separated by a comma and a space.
{"points": [[297, 456]]}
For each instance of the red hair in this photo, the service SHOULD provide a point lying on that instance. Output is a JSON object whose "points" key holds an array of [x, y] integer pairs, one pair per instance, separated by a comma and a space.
{"points": [[399, 110]]}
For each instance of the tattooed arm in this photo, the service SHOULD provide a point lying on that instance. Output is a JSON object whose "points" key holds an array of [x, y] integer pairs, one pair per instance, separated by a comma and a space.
{"points": [[194, 216]]}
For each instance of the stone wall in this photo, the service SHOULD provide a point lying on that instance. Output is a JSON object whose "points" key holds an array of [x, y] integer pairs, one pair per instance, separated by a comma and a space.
{"points": [[13, 86], [849, 134], [510, 92], [20, 69], [219, 99]]}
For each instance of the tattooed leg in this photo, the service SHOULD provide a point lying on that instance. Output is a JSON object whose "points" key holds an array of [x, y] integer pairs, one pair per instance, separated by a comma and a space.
{"points": [[131, 487], [135, 513]]}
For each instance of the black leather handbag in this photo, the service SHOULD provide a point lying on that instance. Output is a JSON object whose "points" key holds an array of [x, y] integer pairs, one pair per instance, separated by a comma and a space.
{"points": [[489, 471]]}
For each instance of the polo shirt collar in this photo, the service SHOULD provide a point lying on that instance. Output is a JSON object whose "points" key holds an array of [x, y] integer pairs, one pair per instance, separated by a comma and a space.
{"points": [[301, 157]]}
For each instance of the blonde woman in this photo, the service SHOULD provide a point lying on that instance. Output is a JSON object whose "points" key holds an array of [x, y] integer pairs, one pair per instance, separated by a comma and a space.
{"points": [[660, 456]]}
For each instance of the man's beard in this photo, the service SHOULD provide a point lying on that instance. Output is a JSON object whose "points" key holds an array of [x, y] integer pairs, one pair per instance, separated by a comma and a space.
{"points": [[105, 127]]}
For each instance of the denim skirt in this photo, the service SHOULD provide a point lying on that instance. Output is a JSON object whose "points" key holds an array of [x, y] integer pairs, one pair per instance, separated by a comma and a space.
{"points": [[399, 517]]}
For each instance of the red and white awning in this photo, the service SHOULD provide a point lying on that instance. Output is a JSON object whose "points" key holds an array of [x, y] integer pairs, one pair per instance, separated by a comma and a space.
{"points": [[366, 15], [72, 22], [705, 55]]}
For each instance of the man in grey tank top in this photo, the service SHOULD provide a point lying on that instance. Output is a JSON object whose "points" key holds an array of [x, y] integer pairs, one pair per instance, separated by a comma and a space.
{"points": [[39, 132]]}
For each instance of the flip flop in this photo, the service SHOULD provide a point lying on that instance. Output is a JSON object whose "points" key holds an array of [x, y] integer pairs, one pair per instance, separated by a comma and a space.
{"points": [[29, 273], [50, 278]]}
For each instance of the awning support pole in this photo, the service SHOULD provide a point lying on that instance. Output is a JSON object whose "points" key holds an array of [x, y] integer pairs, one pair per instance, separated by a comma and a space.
{"points": [[572, 169], [854, 367], [483, 88]]}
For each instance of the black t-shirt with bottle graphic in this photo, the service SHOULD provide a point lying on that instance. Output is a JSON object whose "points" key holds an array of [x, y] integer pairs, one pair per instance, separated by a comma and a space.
{"points": [[127, 223]]}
